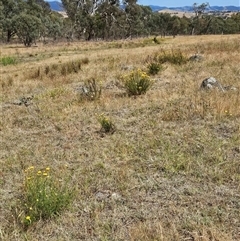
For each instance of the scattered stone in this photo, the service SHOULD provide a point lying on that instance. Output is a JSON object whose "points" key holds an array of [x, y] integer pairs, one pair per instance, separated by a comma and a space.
{"points": [[116, 197], [127, 67], [211, 83], [102, 195], [106, 195], [230, 88], [17, 102], [196, 58], [23, 101]]}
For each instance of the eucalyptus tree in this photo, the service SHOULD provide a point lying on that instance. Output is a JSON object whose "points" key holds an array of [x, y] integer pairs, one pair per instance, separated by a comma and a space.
{"points": [[236, 18], [230, 26], [81, 13], [27, 19], [28, 22], [199, 9], [91, 18], [175, 25], [27, 28], [9, 9], [108, 19], [164, 20], [133, 14], [185, 25], [201, 21], [147, 20]]}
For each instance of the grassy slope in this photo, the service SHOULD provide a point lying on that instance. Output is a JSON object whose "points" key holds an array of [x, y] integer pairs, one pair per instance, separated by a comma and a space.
{"points": [[171, 171]]}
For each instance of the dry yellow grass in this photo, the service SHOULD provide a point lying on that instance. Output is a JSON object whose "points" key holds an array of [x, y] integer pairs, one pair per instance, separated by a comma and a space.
{"points": [[171, 169]]}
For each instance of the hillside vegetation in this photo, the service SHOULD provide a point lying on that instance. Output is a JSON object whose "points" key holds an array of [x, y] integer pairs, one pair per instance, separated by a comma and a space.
{"points": [[164, 165]]}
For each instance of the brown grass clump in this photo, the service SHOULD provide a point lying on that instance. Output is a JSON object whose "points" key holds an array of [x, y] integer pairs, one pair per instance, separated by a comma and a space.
{"points": [[158, 166]]}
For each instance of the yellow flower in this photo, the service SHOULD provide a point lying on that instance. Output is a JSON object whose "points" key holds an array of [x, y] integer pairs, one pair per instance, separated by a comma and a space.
{"points": [[45, 174], [39, 172], [29, 168], [28, 218], [47, 168]]}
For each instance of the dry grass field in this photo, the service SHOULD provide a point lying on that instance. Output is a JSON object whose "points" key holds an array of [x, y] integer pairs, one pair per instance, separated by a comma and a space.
{"points": [[170, 170]]}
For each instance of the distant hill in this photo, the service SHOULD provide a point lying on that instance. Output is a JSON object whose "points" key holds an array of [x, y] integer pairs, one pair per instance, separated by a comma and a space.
{"points": [[190, 9], [57, 6], [227, 8]]}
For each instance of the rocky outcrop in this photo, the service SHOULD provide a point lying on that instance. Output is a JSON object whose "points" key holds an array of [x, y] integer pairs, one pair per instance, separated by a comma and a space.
{"points": [[211, 83], [196, 58]]}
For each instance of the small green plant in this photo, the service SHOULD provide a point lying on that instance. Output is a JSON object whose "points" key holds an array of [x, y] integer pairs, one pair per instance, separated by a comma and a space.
{"points": [[137, 82], [107, 125], [8, 60], [85, 60], [71, 67], [154, 68], [92, 90], [56, 92], [155, 40], [44, 196], [173, 57]]}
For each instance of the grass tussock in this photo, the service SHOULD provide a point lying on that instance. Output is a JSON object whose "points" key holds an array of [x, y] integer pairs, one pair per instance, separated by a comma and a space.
{"points": [[153, 157], [58, 69], [8, 60], [173, 57], [44, 196]]}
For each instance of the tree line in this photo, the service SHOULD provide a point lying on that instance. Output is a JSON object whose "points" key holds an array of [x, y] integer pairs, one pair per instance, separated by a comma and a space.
{"points": [[32, 20]]}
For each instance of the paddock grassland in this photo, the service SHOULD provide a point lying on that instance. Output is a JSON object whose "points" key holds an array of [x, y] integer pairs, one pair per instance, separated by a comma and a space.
{"points": [[171, 169]]}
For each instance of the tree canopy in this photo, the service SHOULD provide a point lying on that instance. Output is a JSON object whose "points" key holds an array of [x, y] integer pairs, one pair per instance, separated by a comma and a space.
{"points": [[33, 20]]}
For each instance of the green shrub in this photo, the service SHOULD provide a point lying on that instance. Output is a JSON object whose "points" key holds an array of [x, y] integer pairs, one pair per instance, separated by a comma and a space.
{"points": [[44, 196], [172, 57], [154, 68], [85, 60], [107, 125], [8, 60], [137, 82]]}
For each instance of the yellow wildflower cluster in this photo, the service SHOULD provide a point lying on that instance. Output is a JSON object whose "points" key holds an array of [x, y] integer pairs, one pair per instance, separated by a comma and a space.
{"points": [[137, 74], [30, 172], [137, 82]]}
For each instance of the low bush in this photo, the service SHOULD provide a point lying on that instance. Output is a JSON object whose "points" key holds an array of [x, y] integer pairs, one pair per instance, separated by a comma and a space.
{"points": [[44, 196], [154, 68], [137, 82], [107, 125], [172, 57]]}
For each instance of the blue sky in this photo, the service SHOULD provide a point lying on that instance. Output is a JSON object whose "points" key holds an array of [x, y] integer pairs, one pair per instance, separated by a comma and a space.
{"points": [[180, 3]]}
